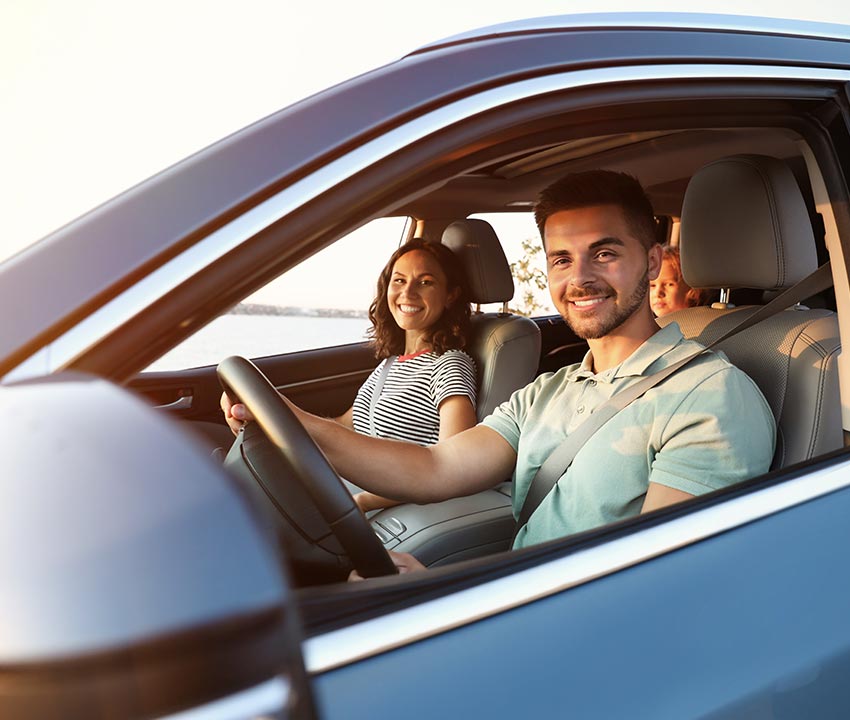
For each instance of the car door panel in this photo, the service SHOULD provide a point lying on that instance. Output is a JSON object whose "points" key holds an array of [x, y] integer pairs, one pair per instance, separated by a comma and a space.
{"points": [[763, 634], [322, 381]]}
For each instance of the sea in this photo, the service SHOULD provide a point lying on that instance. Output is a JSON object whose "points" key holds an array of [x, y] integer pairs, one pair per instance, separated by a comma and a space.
{"points": [[254, 336]]}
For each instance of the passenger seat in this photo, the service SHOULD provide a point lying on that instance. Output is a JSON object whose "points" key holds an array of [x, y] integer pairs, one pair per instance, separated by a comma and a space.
{"points": [[505, 347]]}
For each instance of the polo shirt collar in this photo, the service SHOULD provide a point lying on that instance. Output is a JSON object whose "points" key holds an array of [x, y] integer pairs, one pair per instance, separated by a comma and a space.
{"points": [[639, 361]]}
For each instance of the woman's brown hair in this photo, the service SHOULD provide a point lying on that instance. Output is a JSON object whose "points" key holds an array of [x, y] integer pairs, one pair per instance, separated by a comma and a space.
{"points": [[451, 329]]}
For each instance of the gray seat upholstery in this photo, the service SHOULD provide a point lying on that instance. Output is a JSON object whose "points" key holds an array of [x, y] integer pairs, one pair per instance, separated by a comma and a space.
{"points": [[745, 225], [505, 347]]}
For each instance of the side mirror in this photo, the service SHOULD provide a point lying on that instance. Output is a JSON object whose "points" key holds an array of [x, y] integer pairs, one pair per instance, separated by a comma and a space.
{"points": [[136, 581]]}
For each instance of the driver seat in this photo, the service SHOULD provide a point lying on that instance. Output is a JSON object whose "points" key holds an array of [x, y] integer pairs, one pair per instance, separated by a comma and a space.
{"points": [[745, 225], [505, 347]]}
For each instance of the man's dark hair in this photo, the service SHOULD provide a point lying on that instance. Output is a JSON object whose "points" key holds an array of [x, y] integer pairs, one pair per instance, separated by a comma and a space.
{"points": [[599, 187]]}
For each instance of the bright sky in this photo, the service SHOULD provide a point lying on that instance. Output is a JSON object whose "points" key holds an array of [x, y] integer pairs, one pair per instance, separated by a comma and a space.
{"points": [[97, 95]]}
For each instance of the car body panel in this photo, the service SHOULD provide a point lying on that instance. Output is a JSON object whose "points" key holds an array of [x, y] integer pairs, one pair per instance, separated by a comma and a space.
{"points": [[739, 624], [731, 604]]}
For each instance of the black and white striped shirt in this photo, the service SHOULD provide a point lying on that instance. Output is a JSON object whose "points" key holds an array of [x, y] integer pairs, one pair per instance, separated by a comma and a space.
{"points": [[408, 408]]}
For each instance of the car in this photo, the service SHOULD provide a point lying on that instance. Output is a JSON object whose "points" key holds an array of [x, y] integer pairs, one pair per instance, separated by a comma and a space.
{"points": [[153, 568]]}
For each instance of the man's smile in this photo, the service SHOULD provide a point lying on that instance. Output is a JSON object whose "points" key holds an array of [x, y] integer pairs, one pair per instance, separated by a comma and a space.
{"points": [[589, 302]]}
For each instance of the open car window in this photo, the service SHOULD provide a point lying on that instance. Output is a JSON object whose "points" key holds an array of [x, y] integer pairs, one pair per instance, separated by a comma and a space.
{"points": [[520, 240], [322, 302]]}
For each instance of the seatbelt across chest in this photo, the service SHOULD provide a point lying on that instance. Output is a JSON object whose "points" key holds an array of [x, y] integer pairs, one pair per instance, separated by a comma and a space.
{"points": [[561, 458], [376, 392]]}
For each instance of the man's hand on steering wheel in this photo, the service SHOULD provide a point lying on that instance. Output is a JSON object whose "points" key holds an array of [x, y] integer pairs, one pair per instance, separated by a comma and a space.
{"points": [[235, 414]]}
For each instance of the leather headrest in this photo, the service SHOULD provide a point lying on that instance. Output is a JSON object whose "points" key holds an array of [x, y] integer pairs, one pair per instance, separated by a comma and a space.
{"points": [[479, 250], [745, 224]]}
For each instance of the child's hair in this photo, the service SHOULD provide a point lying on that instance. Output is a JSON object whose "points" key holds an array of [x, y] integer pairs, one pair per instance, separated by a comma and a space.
{"points": [[694, 296]]}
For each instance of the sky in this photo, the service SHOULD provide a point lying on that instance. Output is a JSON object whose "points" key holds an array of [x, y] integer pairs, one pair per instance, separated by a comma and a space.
{"points": [[97, 95]]}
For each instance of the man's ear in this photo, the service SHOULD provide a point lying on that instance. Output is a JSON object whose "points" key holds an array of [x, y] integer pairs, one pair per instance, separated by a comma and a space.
{"points": [[654, 257]]}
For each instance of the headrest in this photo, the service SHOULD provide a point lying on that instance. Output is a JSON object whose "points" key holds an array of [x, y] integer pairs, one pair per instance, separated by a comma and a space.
{"points": [[479, 250], [745, 224]]}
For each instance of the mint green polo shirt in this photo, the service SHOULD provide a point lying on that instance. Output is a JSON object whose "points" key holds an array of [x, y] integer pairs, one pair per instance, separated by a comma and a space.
{"points": [[705, 427]]}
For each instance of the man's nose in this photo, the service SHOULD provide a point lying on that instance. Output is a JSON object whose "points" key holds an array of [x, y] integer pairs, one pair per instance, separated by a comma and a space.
{"points": [[582, 272]]}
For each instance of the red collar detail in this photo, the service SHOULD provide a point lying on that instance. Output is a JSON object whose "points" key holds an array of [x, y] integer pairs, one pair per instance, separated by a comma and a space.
{"points": [[402, 358]]}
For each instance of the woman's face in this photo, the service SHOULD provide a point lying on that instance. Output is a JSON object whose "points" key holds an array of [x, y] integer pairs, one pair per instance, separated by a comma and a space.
{"points": [[668, 291], [418, 292]]}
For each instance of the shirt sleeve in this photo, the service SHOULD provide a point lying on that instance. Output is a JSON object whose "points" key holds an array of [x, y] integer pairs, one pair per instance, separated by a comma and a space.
{"points": [[721, 433], [508, 419], [454, 374]]}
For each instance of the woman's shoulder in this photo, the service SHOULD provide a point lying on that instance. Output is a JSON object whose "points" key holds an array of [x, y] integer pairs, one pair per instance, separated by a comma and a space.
{"points": [[455, 356], [455, 361]]}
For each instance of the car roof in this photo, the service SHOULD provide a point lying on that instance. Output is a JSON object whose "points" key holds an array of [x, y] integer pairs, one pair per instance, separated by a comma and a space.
{"points": [[205, 192], [645, 20]]}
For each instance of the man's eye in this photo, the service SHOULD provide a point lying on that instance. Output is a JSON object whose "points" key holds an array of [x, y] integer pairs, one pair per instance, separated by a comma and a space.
{"points": [[605, 255]]}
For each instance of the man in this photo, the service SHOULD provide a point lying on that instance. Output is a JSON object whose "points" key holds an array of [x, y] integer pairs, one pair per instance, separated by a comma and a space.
{"points": [[705, 427]]}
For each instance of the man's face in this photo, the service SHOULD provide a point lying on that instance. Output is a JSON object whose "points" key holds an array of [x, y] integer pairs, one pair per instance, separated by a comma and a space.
{"points": [[598, 271]]}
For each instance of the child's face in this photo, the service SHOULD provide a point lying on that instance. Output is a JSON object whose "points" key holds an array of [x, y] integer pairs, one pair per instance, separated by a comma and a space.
{"points": [[668, 291]]}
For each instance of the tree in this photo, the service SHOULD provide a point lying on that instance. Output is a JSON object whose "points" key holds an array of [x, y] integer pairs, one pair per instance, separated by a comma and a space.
{"points": [[529, 279]]}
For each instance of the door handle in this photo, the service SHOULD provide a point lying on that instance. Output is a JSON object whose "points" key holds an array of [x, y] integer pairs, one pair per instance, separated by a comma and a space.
{"points": [[184, 402]]}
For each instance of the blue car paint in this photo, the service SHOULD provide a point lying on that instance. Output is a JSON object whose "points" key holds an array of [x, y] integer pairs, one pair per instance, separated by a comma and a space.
{"points": [[751, 623]]}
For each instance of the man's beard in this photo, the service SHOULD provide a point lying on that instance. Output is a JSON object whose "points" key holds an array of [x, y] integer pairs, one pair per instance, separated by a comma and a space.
{"points": [[594, 329]]}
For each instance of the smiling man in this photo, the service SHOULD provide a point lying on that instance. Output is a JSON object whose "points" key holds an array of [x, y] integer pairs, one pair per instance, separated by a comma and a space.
{"points": [[705, 427]]}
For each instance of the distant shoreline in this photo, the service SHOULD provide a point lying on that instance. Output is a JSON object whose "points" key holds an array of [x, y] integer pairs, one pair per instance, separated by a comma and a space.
{"points": [[259, 309]]}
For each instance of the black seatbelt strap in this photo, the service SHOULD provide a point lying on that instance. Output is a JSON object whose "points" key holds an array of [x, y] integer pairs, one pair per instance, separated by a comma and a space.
{"points": [[561, 458], [376, 392]]}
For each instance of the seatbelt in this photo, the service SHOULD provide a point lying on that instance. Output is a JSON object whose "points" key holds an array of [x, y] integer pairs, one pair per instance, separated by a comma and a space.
{"points": [[561, 458], [376, 392]]}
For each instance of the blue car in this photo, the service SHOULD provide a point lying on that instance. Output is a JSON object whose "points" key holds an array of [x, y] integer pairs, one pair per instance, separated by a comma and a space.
{"points": [[153, 567]]}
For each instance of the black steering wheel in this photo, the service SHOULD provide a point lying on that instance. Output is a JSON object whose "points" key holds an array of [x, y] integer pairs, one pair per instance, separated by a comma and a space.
{"points": [[308, 467]]}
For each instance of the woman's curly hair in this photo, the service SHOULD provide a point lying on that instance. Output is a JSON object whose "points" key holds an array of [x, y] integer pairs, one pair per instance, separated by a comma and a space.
{"points": [[451, 329]]}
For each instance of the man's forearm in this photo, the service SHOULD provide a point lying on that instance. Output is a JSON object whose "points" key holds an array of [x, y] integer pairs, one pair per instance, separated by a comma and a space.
{"points": [[392, 468]]}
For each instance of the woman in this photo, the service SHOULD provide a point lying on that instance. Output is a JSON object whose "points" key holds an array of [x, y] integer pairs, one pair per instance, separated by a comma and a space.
{"points": [[669, 292], [426, 383], [420, 321]]}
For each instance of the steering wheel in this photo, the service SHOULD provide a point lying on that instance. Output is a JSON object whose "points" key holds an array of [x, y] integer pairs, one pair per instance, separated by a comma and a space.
{"points": [[243, 382]]}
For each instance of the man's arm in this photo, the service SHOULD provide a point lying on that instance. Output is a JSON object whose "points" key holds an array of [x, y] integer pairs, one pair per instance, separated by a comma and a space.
{"points": [[474, 460], [469, 462], [456, 415], [658, 496]]}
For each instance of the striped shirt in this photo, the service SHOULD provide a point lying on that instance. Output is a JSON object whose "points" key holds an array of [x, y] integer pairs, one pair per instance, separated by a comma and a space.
{"points": [[408, 408]]}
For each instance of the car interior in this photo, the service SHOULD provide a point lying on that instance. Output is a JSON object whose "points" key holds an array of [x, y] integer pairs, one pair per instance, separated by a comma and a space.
{"points": [[741, 187]]}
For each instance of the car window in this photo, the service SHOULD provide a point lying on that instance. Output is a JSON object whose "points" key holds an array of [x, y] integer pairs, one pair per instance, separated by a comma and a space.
{"points": [[520, 240], [322, 302]]}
